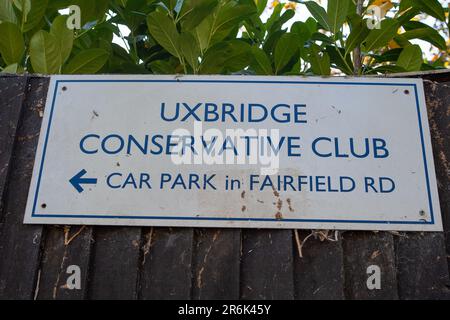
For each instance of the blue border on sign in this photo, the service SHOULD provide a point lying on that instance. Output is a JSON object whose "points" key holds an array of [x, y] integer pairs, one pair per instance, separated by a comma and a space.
{"points": [[420, 222]]}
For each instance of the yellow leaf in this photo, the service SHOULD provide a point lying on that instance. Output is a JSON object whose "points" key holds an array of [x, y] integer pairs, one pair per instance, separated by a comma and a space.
{"points": [[383, 6], [393, 45], [274, 4], [290, 5]]}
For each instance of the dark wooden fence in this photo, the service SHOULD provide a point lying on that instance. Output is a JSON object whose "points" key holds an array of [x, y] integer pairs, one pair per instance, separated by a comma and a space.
{"points": [[186, 263]]}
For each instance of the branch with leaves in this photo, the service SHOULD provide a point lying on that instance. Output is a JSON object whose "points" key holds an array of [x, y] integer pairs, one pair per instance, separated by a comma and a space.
{"points": [[221, 37]]}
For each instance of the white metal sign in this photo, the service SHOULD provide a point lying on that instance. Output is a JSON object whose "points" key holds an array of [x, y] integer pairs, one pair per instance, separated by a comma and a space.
{"points": [[239, 151]]}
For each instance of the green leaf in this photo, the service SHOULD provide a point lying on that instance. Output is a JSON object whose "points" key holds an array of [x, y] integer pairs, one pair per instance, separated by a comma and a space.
{"points": [[411, 58], [63, 35], [44, 53], [319, 36], [378, 38], [337, 12], [426, 34], [7, 11], [271, 41], [261, 62], [170, 4], [162, 67], [24, 7], [320, 62], [407, 15], [337, 59], [311, 24], [163, 30], [402, 41], [193, 12], [284, 50], [406, 4], [387, 69], [388, 56], [217, 26], [418, 30], [36, 14], [227, 56], [319, 14], [12, 68], [358, 33], [230, 15], [302, 31], [87, 62], [91, 10], [191, 50], [433, 8], [260, 5], [278, 24], [275, 16], [12, 46]]}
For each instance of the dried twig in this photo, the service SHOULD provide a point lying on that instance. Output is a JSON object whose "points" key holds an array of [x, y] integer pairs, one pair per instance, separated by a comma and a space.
{"points": [[146, 247], [68, 240], [38, 282], [322, 235], [301, 243]]}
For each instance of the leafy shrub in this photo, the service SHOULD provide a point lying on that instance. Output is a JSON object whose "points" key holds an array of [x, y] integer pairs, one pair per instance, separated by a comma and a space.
{"points": [[217, 37]]}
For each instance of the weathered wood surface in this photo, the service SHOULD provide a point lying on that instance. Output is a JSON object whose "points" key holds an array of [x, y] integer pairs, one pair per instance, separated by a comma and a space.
{"points": [[115, 261], [267, 270], [12, 94], [365, 249], [186, 263], [318, 266], [20, 244], [422, 259], [64, 247], [216, 264], [438, 103], [166, 267]]}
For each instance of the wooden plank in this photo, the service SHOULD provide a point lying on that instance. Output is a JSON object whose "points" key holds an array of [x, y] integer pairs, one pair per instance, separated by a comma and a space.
{"points": [[267, 265], [216, 264], [422, 267], [438, 105], [319, 273], [423, 270], [64, 247], [19, 243], [12, 94], [166, 264], [115, 260], [364, 249]]}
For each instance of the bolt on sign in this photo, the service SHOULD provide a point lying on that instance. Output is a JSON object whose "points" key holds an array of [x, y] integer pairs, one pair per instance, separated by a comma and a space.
{"points": [[236, 151]]}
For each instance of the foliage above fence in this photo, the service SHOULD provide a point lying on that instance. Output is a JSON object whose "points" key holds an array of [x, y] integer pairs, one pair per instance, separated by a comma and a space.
{"points": [[219, 37]]}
